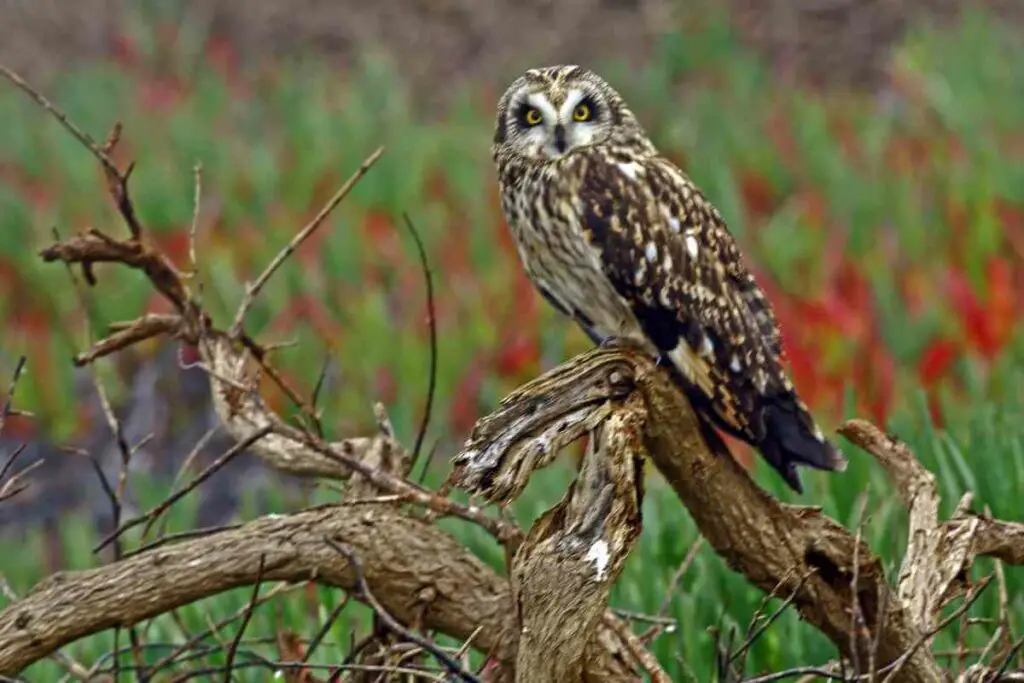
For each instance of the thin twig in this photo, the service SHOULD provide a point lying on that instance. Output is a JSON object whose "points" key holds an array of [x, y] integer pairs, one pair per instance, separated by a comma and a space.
{"points": [[245, 620], [197, 170], [1010, 656], [684, 566], [364, 593], [321, 380], [325, 628], [432, 321], [12, 487], [856, 616], [431, 454], [640, 654], [81, 135], [253, 291], [507, 534], [259, 353], [753, 634], [173, 656], [969, 600], [114, 496], [19, 368], [155, 513], [879, 630]]}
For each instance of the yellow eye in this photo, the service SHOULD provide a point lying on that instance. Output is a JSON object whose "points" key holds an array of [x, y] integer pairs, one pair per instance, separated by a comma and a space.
{"points": [[581, 112], [532, 117]]}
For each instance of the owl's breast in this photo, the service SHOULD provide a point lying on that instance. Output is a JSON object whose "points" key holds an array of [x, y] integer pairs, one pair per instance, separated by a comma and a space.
{"points": [[544, 219]]}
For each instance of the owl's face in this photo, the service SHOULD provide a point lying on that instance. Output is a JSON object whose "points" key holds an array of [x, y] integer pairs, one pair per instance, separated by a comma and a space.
{"points": [[547, 113]]}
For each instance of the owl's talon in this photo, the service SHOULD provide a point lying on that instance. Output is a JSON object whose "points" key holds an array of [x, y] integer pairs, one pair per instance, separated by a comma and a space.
{"points": [[612, 341]]}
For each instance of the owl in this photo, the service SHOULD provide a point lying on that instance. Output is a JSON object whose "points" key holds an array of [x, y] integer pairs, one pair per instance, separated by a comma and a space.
{"points": [[619, 239]]}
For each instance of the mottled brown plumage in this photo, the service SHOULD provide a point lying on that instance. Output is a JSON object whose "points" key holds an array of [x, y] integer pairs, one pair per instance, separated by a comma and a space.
{"points": [[617, 237]]}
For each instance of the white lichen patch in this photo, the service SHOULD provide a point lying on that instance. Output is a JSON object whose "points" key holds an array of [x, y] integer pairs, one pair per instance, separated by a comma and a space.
{"points": [[600, 556]]}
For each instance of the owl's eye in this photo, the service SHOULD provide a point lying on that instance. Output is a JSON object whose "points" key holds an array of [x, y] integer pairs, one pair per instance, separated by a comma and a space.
{"points": [[582, 112], [532, 116]]}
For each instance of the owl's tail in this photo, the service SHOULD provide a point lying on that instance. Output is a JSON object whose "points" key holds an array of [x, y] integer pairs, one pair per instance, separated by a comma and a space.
{"points": [[791, 439]]}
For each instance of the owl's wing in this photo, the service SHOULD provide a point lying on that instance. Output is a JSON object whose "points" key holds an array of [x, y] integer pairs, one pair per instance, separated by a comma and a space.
{"points": [[669, 255]]}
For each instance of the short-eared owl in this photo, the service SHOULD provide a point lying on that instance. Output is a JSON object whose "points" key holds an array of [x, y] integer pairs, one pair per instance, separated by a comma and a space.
{"points": [[617, 237]]}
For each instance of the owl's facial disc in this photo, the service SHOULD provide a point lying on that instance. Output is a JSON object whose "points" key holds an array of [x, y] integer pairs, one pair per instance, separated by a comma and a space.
{"points": [[553, 124]]}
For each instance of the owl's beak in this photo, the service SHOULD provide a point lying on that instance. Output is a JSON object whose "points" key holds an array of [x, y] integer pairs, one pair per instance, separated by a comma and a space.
{"points": [[560, 138]]}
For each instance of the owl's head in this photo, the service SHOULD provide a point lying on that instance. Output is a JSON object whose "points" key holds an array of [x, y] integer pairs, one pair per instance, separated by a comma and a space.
{"points": [[546, 113]]}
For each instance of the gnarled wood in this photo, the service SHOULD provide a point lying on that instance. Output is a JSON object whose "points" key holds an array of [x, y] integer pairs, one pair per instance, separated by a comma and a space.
{"points": [[574, 553]]}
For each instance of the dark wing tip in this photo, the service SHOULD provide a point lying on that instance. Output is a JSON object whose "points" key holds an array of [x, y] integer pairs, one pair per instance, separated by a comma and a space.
{"points": [[789, 442]]}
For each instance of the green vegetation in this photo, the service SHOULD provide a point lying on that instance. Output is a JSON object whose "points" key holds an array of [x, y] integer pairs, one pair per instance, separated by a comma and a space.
{"points": [[888, 230]]}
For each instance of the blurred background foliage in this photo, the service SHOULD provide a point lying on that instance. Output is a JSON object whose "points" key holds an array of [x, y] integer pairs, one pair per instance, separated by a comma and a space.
{"points": [[875, 181]]}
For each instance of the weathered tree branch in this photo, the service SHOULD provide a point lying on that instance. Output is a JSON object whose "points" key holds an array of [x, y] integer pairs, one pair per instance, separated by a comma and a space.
{"points": [[574, 553], [774, 545], [400, 555]]}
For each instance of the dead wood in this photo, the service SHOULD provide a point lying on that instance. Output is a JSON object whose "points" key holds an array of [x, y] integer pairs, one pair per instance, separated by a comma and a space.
{"points": [[774, 545], [574, 553]]}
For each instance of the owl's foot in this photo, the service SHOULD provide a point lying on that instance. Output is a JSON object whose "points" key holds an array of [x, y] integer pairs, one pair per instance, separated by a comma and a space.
{"points": [[613, 341]]}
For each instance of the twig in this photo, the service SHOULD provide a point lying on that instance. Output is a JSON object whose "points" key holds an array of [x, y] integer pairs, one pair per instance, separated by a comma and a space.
{"points": [[828, 674], [253, 291], [11, 459], [432, 321], [754, 633], [185, 465], [81, 135], [969, 600], [1010, 656], [173, 656], [431, 454], [321, 380], [11, 487], [245, 620], [325, 628], [856, 616], [645, 618], [197, 170], [19, 368], [879, 630], [684, 566], [640, 654], [364, 593], [505, 533], [259, 353], [153, 514], [114, 496]]}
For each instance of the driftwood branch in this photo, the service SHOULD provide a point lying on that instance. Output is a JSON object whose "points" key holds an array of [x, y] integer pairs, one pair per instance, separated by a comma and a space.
{"points": [[774, 545]]}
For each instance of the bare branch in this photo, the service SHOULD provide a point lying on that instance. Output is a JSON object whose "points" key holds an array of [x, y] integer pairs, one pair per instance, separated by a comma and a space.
{"points": [[253, 291]]}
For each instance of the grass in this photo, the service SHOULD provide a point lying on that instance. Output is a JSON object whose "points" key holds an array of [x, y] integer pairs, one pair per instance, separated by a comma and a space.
{"points": [[888, 233]]}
